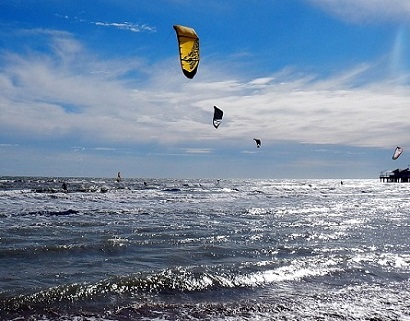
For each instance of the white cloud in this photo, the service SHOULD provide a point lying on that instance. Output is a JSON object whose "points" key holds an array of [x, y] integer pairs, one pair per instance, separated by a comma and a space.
{"points": [[366, 10], [126, 25], [44, 96], [8, 145], [198, 150], [105, 149], [134, 27]]}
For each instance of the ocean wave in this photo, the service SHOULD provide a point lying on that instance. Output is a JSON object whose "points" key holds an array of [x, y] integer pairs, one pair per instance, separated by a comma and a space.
{"points": [[236, 250], [47, 251], [355, 303], [52, 213], [176, 280]]}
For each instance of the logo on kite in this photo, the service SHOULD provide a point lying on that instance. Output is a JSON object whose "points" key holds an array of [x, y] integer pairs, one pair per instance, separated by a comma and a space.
{"points": [[188, 43], [397, 152], [217, 116], [258, 142]]}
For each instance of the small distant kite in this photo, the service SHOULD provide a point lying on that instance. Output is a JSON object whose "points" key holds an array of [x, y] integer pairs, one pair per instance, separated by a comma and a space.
{"points": [[258, 142], [397, 152], [218, 114], [188, 43]]}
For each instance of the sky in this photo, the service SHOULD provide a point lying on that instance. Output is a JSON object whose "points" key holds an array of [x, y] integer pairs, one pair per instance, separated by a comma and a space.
{"points": [[90, 88]]}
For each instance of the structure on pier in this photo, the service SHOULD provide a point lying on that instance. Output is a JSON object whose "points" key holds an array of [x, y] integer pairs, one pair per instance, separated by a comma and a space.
{"points": [[396, 176]]}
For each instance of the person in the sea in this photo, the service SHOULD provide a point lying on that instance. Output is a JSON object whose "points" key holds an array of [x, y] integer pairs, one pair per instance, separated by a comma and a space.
{"points": [[64, 187], [118, 177]]}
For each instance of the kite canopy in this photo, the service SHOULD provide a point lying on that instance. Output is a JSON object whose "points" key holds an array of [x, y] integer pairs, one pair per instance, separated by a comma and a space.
{"points": [[258, 142], [188, 42], [397, 152], [217, 116]]}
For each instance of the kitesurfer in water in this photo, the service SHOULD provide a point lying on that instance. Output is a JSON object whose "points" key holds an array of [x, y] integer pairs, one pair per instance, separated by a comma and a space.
{"points": [[118, 177]]}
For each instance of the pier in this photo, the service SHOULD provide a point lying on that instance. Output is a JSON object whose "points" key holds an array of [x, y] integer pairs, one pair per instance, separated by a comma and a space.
{"points": [[395, 176]]}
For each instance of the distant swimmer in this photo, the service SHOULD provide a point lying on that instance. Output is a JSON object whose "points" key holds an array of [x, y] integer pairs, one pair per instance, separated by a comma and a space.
{"points": [[64, 187], [119, 177], [341, 182]]}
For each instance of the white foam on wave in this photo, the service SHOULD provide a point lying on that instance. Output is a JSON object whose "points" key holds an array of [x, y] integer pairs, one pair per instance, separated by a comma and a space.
{"points": [[259, 210], [385, 260], [293, 272], [118, 241]]}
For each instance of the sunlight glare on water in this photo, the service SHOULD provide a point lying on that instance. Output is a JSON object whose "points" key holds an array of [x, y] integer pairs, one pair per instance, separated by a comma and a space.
{"points": [[216, 250]]}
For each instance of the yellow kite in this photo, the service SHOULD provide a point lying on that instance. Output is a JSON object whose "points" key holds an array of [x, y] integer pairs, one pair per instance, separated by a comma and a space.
{"points": [[188, 50]]}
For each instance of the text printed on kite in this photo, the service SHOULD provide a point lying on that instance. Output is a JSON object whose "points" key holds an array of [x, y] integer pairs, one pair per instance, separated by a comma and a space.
{"points": [[188, 44]]}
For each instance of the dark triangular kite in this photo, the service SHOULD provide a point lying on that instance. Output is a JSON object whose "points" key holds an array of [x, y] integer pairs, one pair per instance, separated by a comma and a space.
{"points": [[258, 142], [217, 117]]}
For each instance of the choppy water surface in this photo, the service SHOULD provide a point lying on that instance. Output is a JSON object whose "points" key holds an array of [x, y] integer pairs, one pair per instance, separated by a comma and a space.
{"points": [[204, 250]]}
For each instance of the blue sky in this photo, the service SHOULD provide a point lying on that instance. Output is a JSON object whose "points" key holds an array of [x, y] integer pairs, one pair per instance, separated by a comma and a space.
{"points": [[89, 88]]}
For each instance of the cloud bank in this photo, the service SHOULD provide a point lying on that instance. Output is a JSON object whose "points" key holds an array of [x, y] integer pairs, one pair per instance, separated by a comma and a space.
{"points": [[57, 96]]}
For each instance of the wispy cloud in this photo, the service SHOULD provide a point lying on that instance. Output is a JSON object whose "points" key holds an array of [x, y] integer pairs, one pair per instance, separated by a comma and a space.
{"points": [[105, 149], [40, 90], [8, 145], [126, 26], [198, 150]]}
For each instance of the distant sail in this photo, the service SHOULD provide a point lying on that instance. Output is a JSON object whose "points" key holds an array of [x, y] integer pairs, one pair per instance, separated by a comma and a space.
{"points": [[258, 142], [217, 116], [188, 43], [397, 152]]}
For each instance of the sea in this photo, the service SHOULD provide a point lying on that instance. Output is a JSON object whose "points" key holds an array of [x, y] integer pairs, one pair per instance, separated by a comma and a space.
{"points": [[203, 249]]}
